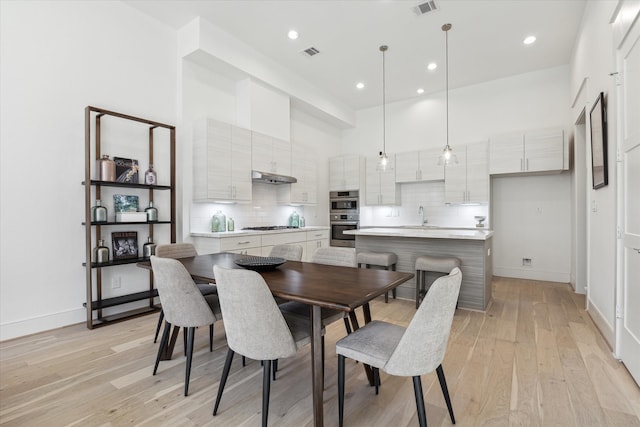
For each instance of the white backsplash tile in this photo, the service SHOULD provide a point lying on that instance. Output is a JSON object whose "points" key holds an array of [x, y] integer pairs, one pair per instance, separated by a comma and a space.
{"points": [[429, 195]]}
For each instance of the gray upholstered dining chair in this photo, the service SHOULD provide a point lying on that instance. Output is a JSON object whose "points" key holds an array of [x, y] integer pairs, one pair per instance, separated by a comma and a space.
{"points": [[343, 257], [288, 252], [417, 350], [255, 327], [184, 306], [183, 250]]}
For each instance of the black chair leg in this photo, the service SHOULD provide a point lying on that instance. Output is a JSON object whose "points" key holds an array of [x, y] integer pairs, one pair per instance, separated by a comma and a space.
{"points": [[266, 388], [163, 342], [223, 379], [417, 389], [184, 340], [445, 392], [340, 389], [244, 361], [191, 332], [160, 319], [211, 338], [275, 368], [376, 378]]}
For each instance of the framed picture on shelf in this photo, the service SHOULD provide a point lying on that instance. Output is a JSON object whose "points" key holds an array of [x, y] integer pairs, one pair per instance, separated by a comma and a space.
{"points": [[124, 244], [126, 170], [125, 203]]}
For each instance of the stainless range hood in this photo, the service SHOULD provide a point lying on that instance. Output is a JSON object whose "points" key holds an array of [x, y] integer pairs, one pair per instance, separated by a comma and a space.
{"points": [[272, 178]]}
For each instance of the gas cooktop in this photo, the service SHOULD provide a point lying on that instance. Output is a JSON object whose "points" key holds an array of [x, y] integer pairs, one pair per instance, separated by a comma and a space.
{"points": [[269, 227]]}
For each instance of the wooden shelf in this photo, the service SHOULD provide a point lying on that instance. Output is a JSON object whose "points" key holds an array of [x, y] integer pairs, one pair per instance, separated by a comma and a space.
{"points": [[127, 223], [122, 299], [128, 185], [97, 119]]}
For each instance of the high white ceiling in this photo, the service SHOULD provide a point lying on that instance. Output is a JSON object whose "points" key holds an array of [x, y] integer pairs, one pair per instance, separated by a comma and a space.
{"points": [[485, 42]]}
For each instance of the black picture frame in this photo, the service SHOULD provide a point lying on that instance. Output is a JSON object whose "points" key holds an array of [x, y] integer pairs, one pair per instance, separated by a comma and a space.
{"points": [[598, 121], [124, 244]]}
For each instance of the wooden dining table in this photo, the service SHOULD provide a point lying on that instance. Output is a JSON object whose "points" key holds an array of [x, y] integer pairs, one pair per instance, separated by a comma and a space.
{"points": [[318, 285]]}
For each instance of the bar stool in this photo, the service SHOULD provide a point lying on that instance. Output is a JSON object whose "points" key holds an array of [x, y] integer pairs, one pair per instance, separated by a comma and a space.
{"points": [[386, 260], [435, 264]]}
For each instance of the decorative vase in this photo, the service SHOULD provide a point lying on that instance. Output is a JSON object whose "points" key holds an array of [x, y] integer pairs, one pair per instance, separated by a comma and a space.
{"points": [[106, 169], [98, 212], [152, 212], [149, 248], [100, 253]]}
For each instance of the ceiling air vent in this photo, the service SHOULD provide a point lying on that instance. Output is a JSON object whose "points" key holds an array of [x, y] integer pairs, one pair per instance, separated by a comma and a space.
{"points": [[310, 51], [425, 7]]}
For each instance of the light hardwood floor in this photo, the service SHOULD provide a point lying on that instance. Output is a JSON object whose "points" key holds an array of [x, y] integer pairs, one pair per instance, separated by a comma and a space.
{"points": [[534, 358]]}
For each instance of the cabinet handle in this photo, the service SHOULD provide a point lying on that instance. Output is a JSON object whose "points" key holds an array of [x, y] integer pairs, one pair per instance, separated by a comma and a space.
{"points": [[244, 243], [527, 163], [636, 249], [522, 164]]}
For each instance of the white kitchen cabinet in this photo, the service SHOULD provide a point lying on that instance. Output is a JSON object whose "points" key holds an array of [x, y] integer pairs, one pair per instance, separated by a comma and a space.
{"points": [[344, 173], [288, 238], [467, 180], [534, 151], [380, 184], [304, 169], [270, 154], [221, 162], [315, 239], [417, 166]]}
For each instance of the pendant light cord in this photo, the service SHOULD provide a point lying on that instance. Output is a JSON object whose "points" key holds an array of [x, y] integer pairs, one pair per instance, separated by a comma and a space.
{"points": [[446, 59], [383, 49]]}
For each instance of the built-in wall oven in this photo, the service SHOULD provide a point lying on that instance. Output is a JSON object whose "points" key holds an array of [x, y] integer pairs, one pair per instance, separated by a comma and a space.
{"points": [[344, 215]]}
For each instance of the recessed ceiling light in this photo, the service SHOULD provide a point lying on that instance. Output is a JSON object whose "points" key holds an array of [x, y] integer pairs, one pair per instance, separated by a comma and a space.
{"points": [[432, 66], [529, 40], [420, 91], [292, 34], [360, 85]]}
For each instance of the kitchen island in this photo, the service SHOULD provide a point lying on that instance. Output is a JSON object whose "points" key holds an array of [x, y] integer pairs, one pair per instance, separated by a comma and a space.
{"points": [[471, 246]]}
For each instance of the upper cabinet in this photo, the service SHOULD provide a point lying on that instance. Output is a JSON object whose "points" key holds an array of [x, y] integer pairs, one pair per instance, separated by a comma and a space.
{"points": [[221, 162], [344, 173], [270, 154], [416, 166], [380, 186], [304, 169], [535, 151], [467, 180]]}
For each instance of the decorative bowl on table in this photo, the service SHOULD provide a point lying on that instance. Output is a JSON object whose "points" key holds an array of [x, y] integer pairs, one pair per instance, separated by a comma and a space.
{"points": [[260, 263]]}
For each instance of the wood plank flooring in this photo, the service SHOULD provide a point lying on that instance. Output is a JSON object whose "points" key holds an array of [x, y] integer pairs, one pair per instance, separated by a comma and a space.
{"points": [[533, 359]]}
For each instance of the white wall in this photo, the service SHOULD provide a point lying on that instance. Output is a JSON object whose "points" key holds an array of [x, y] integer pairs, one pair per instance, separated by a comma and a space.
{"points": [[528, 101], [56, 58], [594, 59]]}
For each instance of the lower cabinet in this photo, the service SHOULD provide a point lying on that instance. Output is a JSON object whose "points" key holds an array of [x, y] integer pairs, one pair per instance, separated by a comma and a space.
{"points": [[261, 244]]}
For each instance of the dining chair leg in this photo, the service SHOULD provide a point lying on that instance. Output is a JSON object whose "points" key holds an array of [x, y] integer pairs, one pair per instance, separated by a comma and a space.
{"points": [[223, 379], [266, 388], [191, 332], [275, 368], [376, 379], [445, 392], [211, 338], [417, 389], [160, 319], [163, 342], [340, 389], [244, 361], [184, 340], [347, 325]]}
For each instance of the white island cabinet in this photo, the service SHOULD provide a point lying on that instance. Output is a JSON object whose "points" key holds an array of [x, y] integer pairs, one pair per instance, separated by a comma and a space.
{"points": [[472, 247]]}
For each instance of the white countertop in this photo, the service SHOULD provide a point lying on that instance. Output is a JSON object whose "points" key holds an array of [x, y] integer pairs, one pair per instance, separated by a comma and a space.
{"points": [[424, 232], [237, 233]]}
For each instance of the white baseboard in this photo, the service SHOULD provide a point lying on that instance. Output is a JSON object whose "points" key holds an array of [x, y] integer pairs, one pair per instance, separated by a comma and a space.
{"points": [[521, 273], [602, 324], [20, 328]]}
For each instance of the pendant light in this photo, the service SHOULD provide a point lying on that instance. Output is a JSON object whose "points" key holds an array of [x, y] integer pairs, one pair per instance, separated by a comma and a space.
{"points": [[447, 153], [383, 154]]}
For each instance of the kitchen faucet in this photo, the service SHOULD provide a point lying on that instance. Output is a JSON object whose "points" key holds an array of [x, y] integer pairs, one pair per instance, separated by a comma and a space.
{"points": [[421, 213]]}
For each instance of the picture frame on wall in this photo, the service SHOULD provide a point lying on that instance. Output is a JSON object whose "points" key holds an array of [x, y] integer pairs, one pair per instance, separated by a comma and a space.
{"points": [[598, 120], [124, 244]]}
